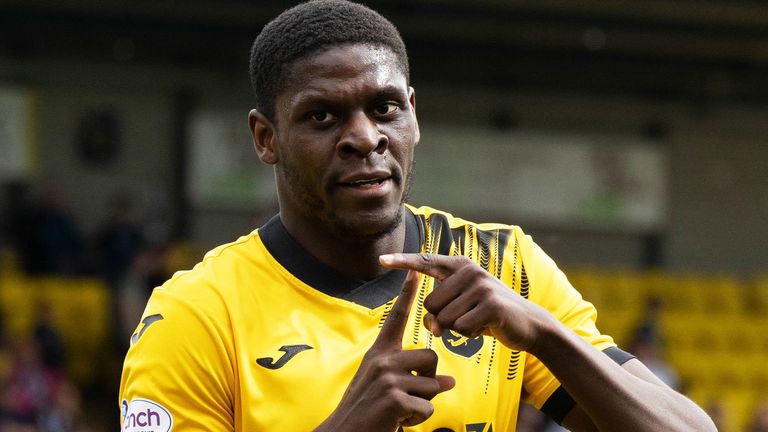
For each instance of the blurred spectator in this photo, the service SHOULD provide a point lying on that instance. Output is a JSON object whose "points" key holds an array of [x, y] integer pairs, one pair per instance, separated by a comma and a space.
{"points": [[49, 340], [18, 217], [28, 389], [759, 422], [53, 244], [64, 413], [120, 239], [648, 329], [647, 344], [147, 272]]}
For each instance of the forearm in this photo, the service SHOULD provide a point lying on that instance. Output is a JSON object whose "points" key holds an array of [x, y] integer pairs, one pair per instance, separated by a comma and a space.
{"points": [[612, 397]]}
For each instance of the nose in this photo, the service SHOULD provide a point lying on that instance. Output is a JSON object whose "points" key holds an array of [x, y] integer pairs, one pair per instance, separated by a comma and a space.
{"points": [[361, 137]]}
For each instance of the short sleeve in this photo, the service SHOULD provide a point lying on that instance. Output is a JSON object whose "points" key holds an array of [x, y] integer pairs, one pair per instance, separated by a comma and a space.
{"points": [[550, 289], [178, 372]]}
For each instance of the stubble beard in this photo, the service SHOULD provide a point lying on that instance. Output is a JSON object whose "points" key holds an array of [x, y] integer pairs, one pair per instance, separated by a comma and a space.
{"points": [[339, 226]]}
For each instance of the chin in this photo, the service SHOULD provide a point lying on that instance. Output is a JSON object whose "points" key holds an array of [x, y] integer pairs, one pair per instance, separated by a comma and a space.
{"points": [[369, 225]]}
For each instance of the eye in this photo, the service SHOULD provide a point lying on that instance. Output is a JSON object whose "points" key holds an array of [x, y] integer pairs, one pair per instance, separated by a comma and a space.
{"points": [[323, 117], [386, 108]]}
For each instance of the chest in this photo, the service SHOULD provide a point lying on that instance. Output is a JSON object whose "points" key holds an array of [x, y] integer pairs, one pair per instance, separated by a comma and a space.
{"points": [[297, 358]]}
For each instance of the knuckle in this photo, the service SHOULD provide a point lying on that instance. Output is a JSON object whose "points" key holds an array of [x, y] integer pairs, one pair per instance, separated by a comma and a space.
{"points": [[389, 382], [418, 414], [485, 292], [444, 321], [380, 364], [398, 400], [476, 270]]}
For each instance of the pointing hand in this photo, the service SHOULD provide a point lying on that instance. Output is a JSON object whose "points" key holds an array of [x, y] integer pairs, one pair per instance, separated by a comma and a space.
{"points": [[392, 386], [471, 301]]}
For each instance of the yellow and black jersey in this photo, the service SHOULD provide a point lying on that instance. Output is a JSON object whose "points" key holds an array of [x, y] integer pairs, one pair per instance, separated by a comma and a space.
{"points": [[261, 336]]}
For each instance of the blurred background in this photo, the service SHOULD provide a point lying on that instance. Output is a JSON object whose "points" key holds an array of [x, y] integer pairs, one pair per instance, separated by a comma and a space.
{"points": [[629, 138]]}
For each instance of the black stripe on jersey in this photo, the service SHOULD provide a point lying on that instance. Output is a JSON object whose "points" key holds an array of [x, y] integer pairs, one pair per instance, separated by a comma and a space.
{"points": [[514, 357], [560, 403], [484, 240], [524, 286], [492, 244], [445, 239], [387, 310], [490, 247], [501, 245], [436, 239], [469, 244], [490, 364], [297, 260], [436, 234], [418, 315], [458, 235]]}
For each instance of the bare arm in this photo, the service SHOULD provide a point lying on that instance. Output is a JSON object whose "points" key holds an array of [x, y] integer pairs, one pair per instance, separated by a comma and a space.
{"points": [[612, 397], [608, 396]]}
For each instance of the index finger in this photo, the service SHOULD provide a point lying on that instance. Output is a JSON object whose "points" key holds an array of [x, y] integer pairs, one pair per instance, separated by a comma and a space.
{"points": [[392, 330], [437, 266]]}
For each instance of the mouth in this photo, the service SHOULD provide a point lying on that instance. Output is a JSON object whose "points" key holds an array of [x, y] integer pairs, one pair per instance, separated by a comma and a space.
{"points": [[369, 185], [366, 179], [366, 182]]}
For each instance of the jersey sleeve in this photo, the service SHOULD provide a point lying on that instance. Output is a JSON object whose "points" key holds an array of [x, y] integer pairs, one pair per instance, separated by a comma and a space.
{"points": [[178, 371], [550, 289]]}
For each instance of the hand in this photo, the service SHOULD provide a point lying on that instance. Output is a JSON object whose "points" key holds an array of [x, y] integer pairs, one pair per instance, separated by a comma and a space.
{"points": [[472, 302], [392, 386]]}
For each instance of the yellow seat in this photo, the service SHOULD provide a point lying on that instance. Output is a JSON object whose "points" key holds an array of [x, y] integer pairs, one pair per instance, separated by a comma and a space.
{"points": [[725, 295], [589, 283], [759, 295], [19, 299]]}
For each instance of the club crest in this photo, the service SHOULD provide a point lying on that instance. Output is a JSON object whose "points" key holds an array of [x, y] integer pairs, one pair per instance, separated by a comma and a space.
{"points": [[461, 345]]}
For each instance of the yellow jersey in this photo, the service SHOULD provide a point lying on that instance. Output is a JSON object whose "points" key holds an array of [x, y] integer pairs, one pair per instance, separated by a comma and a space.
{"points": [[261, 336]]}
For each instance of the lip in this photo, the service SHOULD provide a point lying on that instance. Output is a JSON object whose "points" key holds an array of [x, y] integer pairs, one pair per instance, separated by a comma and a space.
{"points": [[373, 185], [372, 176]]}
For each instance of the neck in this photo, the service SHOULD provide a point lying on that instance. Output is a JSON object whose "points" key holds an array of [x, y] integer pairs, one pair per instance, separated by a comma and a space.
{"points": [[355, 257]]}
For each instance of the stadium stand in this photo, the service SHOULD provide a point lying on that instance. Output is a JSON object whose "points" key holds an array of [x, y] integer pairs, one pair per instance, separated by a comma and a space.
{"points": [[714, 329]]}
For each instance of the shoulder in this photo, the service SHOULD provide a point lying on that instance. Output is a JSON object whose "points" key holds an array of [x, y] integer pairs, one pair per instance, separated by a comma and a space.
{"points": [[220, 272], [435, 215], [440, 222], [204, 297]]}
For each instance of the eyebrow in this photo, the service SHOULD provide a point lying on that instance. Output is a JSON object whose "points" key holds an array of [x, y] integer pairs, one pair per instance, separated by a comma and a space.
{"points": [[311, 97]]}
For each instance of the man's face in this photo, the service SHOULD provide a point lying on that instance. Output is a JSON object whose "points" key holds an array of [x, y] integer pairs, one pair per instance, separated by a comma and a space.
{"points": [[345, 131]]}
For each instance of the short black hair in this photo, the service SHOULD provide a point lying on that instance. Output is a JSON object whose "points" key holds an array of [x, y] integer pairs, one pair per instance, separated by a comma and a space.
{"points": [[311, 27]]}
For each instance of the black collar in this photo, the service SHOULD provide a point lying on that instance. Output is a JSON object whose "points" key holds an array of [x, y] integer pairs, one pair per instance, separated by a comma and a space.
{"points": [[371, 294]]}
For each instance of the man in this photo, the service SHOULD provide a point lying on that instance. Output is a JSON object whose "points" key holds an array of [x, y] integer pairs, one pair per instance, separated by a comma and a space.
{"points": [[302, 324]]}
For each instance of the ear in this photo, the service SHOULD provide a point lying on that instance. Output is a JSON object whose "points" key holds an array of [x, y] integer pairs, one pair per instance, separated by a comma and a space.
{"points": [[264, 137], [412, 101]]}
